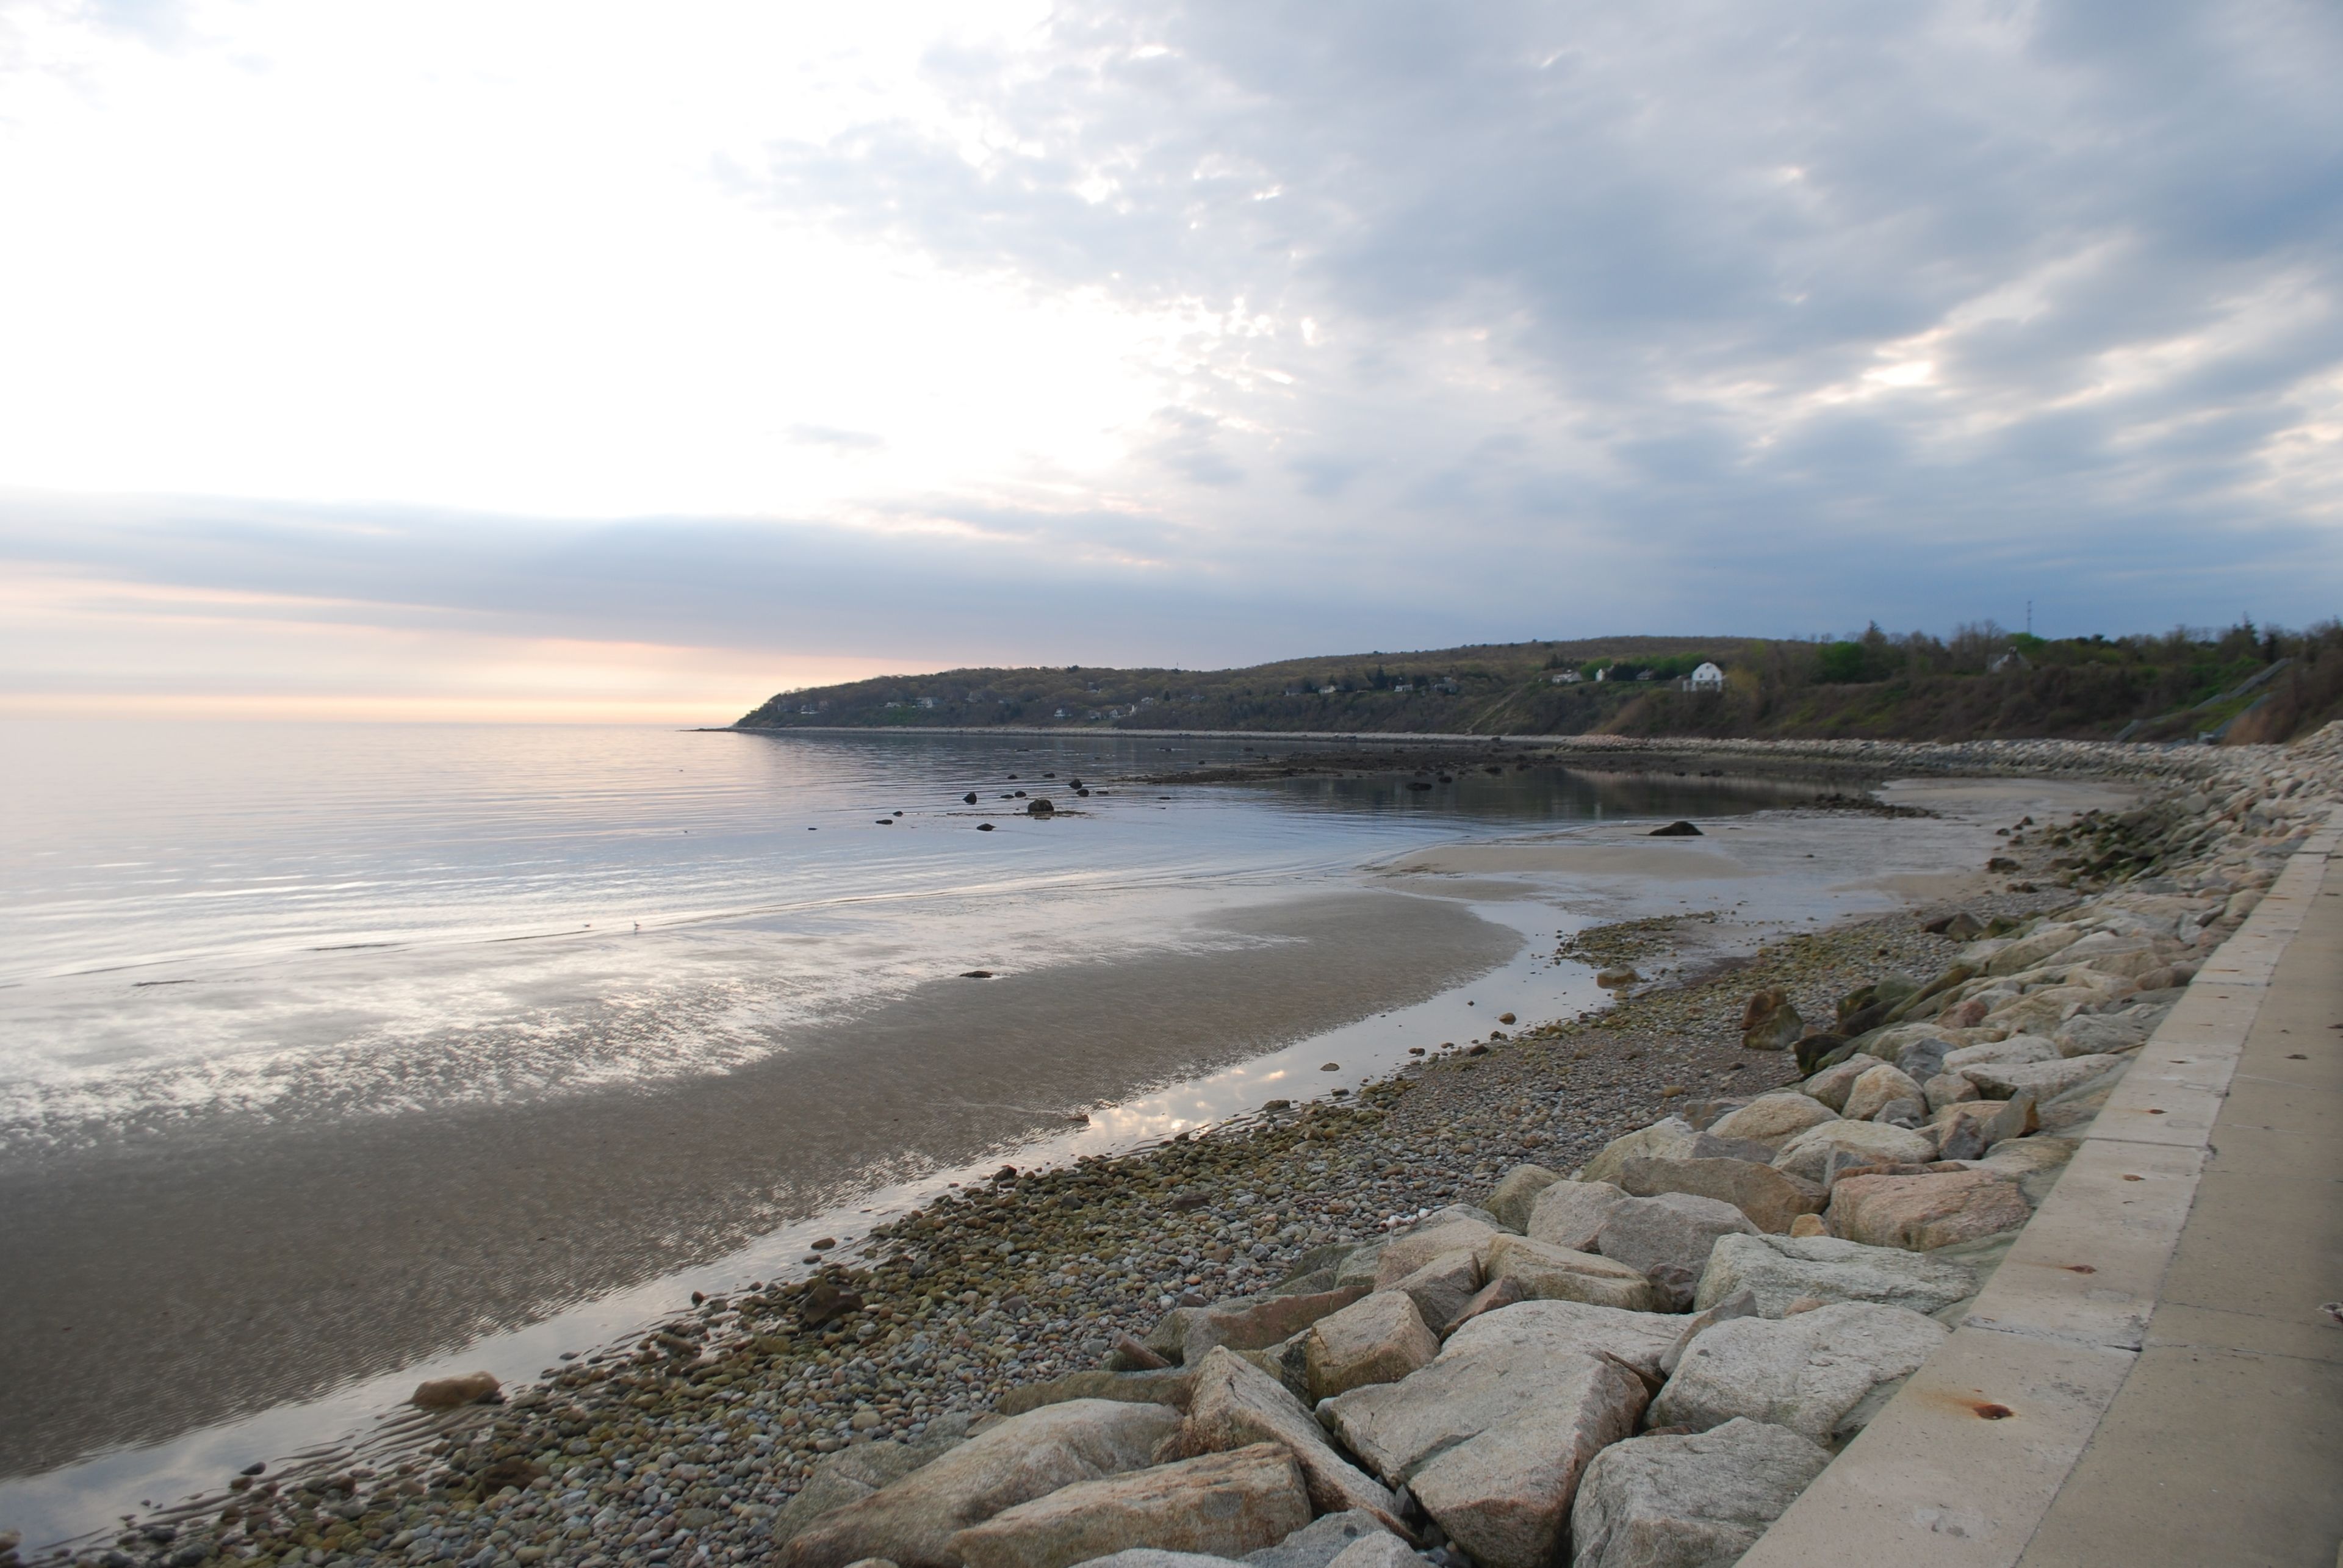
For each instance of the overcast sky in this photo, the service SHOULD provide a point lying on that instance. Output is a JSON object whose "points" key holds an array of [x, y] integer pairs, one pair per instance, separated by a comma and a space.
{"points": [[462, 357]]}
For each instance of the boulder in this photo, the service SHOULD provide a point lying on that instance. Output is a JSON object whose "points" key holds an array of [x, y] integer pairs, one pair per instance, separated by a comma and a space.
{"points": [[1877, 1088], [1543, 1330], [1692, 1501], [1168, 1386], [2017, 1048], [1380, 1338], [1949, 1089], [1251, 1323], [913, 1521], [2105, 1034], [852, 1474], [1667, 1239], [1548, 1273], [1133, 1557], [1511, 1201], [1491, 1370], [1404, 1254], [1921, 1214], [1665, 1139], [1781, 1270], [1809, 1372], [1496, 1294], [1503, 1493], [1236, 1405], [1710, 1146], [2034, 1163], [2025, 953], [448, 1393], [2039, 1013], [1358, 1266], [1769, 1023], [1223, 1504], [1570, 1213], [1378, 1552], [1831, 1085], [1770, 1197], [1773, 1118], [2042, 1079], [1444, 1286], [1321, 1543], [1808, 1154], [1966, 1129], [1958, 924], [1739, 1304]]}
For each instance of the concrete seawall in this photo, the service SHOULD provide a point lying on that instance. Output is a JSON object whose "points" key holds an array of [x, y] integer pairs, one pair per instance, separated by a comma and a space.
{"points": [[2147, 1379]]}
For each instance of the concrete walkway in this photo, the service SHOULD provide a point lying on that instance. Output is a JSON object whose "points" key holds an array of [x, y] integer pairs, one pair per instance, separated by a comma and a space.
{"points": [[2224, 1444], [2149, 1378]]}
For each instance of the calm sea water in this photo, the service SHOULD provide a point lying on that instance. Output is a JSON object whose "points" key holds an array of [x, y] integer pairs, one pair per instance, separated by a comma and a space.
{"points": [[291, 921]]}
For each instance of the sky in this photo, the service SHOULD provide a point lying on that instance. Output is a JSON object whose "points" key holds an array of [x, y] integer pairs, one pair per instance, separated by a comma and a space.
{"points": [[506, 360]]}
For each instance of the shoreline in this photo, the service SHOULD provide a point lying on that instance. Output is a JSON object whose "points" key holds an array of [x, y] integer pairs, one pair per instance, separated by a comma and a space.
{"points": [[1604, 1108]]}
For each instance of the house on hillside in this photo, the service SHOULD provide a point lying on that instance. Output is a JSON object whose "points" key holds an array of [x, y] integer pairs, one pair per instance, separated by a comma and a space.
{"points": [[1563, 678], [2009, 660], [1707, 678]]}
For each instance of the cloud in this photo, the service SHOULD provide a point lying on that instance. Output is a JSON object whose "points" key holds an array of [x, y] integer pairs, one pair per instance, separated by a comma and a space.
{"points": [[1189, 332]]}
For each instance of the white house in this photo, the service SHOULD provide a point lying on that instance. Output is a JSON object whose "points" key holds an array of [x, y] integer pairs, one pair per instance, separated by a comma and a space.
{"points": [[1707, 678], [2011, 659], [1563, 678]]}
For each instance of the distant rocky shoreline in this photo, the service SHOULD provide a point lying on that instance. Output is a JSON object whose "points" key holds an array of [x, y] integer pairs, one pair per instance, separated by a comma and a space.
{"points": [[1506, 1365]]}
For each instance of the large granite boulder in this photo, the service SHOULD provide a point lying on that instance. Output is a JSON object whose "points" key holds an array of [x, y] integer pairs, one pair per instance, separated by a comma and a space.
{"points": [[2042, 1079], [852, 1474], [1809, 1372], [1517, 1191], [2013, 1049], [1781, 1271], [1769, 1023], [1404, 1254], [1808, 1155], [1493, 1370], [2034, 1163], [2025, 953], [1380, 1338], [1831, 1085], [1236, 1405], [1569, 1214], [1442, 1288], [1667, 1239], [1542, 1272], [1666, 1139], [1223, 1504], [1921, 1214], [1772, 1198], [1503, 1493], [1162, 1385], [1878, 1089], [1691, 1502], [1773, 1118], [1251, 1323], [1967, 1129], [1322, 1543], [912, 1522]]}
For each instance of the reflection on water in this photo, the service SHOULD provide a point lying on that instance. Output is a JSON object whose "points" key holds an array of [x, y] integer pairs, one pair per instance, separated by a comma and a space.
{"points": [[303, 920]]}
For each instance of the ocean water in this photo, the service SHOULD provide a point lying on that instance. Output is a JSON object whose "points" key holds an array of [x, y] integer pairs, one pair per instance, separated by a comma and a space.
{"points": [[261, 985], [290, 921]]}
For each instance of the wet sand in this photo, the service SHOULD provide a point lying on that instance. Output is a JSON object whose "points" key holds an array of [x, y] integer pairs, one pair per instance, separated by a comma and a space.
{"points": [[227, 1265]]}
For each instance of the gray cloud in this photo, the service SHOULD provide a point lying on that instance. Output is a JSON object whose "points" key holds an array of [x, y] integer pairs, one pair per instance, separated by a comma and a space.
{"points": [[1694, 230], [1538, 320]]}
